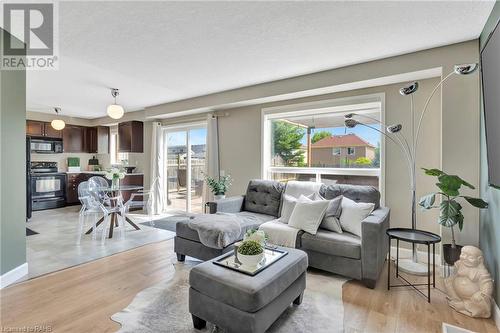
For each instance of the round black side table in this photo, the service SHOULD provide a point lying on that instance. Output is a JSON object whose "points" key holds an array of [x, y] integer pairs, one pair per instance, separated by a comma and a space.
{"points": [[414, 236]]}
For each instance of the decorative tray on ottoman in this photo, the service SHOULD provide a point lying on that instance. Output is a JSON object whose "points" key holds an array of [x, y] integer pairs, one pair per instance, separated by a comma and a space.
{"points": [[271, 255]]}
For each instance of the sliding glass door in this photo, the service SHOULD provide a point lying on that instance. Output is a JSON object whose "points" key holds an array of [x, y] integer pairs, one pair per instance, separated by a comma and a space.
{"points": [[185, 163]]}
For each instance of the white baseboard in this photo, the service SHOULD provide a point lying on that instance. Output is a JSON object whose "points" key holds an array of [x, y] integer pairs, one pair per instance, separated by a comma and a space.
{"points": [[13, 275], [496, 315]]}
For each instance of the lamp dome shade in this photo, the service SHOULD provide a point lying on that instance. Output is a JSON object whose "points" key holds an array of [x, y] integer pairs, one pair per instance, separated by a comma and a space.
{"points": [[57, 124], [115, 111]]}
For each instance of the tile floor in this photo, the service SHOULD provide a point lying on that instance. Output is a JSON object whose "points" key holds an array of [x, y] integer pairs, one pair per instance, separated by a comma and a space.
{"points": [[55, 248]]}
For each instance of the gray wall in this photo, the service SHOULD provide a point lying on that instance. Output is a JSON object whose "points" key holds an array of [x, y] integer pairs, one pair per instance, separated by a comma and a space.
{"points": [[12, 168], [489, 228]]}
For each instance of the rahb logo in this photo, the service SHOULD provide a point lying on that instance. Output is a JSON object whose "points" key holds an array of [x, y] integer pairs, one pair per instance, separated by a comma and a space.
{"points": [[30, 36]]}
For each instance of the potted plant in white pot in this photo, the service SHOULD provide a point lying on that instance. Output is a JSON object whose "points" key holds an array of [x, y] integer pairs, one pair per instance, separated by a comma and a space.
{"points": [[250, 253], [450, 210], [219, 187]]}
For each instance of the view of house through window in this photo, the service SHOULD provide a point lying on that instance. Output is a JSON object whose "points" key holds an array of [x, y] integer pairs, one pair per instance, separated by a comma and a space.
{"points": [[317, 146]]}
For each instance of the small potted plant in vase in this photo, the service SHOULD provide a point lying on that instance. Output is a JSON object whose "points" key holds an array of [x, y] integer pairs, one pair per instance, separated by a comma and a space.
{"points": [[219, 187], [450, 210], [250, 253], [115, 174]]}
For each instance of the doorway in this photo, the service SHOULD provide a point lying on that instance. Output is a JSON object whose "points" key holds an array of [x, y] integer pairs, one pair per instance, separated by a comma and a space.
{"points": [[185, 164]]}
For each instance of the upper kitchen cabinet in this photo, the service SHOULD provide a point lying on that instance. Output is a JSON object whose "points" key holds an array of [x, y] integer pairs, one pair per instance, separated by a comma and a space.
{"points": [[131, 137], [74, 139], [41, 128], [97, 140]]}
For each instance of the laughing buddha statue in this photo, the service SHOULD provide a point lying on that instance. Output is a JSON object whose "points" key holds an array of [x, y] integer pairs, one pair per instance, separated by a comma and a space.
{"points": [[470, 289]]}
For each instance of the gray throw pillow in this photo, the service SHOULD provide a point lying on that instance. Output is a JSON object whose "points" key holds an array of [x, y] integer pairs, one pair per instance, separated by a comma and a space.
{"points": [[331, 219]]}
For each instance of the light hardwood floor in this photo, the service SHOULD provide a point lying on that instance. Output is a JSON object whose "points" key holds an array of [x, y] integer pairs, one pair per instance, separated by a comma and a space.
{"points": [[82, 298]]}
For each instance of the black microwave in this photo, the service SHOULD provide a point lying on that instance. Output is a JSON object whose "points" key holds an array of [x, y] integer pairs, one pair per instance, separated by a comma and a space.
{"points": [[50, 146]]}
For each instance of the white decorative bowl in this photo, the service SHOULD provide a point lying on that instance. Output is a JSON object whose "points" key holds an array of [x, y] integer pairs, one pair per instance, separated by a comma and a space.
{"points": [[250, 261]]}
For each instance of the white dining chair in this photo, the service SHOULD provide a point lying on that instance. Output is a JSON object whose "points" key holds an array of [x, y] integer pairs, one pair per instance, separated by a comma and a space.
{"points": [[112, 205], [145, 201], [91, 208]]}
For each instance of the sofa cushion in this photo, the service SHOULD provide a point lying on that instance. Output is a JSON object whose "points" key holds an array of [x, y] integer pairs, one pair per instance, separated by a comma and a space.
{"points": [[244, 292], [357, 193], [264, 196], [329, 242], [249, 221]]}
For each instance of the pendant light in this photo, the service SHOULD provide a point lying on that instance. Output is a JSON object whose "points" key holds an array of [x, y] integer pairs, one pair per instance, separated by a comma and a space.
{"points": [[57, 124], [115, 111]]}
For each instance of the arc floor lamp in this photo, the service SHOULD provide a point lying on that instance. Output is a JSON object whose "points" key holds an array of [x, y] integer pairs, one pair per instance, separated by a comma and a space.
{"points": [[409, 149]]}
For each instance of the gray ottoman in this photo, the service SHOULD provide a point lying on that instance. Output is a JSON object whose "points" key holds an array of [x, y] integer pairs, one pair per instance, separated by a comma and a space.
{"points": [[237, 302]]}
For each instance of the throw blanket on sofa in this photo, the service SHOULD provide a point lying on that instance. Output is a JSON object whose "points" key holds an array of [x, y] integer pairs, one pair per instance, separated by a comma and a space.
{"points": [[280, 233], [216, 230]]}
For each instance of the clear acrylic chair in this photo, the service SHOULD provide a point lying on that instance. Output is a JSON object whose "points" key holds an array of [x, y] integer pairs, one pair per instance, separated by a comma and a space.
{"points": [[91, 207], [145, 201], [112, 204]]}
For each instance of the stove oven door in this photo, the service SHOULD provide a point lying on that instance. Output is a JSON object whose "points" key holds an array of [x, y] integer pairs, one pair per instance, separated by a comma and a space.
{"points": [[47, 186]]}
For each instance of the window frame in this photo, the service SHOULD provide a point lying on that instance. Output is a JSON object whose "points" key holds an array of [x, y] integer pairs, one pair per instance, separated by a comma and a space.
{"points": [[346, 104], [339, 153], [353, 151]]}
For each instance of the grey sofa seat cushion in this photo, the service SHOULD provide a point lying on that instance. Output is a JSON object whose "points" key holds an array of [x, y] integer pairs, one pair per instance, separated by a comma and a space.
{"points": [[249, 221], [244, 292], [358, 193], [329, 242], [264, 196]]}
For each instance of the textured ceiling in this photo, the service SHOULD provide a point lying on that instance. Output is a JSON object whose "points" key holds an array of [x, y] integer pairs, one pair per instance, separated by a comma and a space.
{"points": [[158, 52]]}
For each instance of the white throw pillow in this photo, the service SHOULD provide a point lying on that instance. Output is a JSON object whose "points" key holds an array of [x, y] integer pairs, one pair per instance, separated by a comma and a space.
{"points": [[353, 213], [331, 219], [308, 214], [288, 205]]}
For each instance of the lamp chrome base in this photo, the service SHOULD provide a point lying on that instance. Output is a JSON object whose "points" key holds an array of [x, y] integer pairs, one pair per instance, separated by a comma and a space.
{"points": [[411, 267]]}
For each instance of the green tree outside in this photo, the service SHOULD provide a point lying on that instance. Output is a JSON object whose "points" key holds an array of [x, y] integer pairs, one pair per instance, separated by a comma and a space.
{"points": [[287, 143], [320, 135]]}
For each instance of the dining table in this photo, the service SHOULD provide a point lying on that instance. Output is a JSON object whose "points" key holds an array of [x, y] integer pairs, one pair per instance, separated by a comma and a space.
{"points": [[115, 195]]}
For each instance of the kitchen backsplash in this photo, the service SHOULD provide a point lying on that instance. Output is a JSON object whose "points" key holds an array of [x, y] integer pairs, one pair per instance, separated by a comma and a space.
{"points": [[62, 159], [134, 159]]}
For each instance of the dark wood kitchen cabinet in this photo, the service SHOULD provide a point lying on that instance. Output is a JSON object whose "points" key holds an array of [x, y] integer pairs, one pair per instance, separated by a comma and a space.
{"points": [[131, 137], [91, 140], [73, 139], [72, 182], [43, 129]]}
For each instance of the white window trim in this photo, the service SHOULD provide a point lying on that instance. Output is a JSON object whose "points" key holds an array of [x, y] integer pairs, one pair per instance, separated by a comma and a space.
{"points": [[353, 103], [353, 151], [339, 153]]}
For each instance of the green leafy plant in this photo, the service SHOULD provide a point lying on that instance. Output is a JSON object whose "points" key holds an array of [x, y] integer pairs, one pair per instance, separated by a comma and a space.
{"points": [[73, 161], [450, 210], [363, 161], [250, 248], [219, 187]]}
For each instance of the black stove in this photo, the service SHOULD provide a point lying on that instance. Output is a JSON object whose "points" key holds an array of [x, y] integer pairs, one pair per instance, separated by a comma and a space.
{"points": [[47, 186]]}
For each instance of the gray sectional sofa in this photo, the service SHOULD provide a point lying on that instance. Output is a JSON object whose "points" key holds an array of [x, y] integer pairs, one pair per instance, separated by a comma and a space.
{"points": [[360, 258]]}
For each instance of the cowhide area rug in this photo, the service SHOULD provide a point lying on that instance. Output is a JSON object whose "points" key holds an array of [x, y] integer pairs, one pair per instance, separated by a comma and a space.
{"points": [[164, 307]]}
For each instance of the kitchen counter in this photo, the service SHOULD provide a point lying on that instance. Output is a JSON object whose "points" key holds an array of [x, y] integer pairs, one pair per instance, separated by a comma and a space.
{"points": [[99, 172]]}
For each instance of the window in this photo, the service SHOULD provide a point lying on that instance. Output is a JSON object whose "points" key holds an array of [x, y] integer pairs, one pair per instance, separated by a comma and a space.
{"points": [[113, 148], [307, 143]]}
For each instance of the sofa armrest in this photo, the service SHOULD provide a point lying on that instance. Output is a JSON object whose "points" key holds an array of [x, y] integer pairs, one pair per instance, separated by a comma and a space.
{"points": [[374, 244], [229, 205]]}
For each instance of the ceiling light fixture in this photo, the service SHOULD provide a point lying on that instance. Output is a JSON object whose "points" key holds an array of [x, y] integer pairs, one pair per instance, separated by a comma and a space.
{"points": [[57, 124], [115, 111]]}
